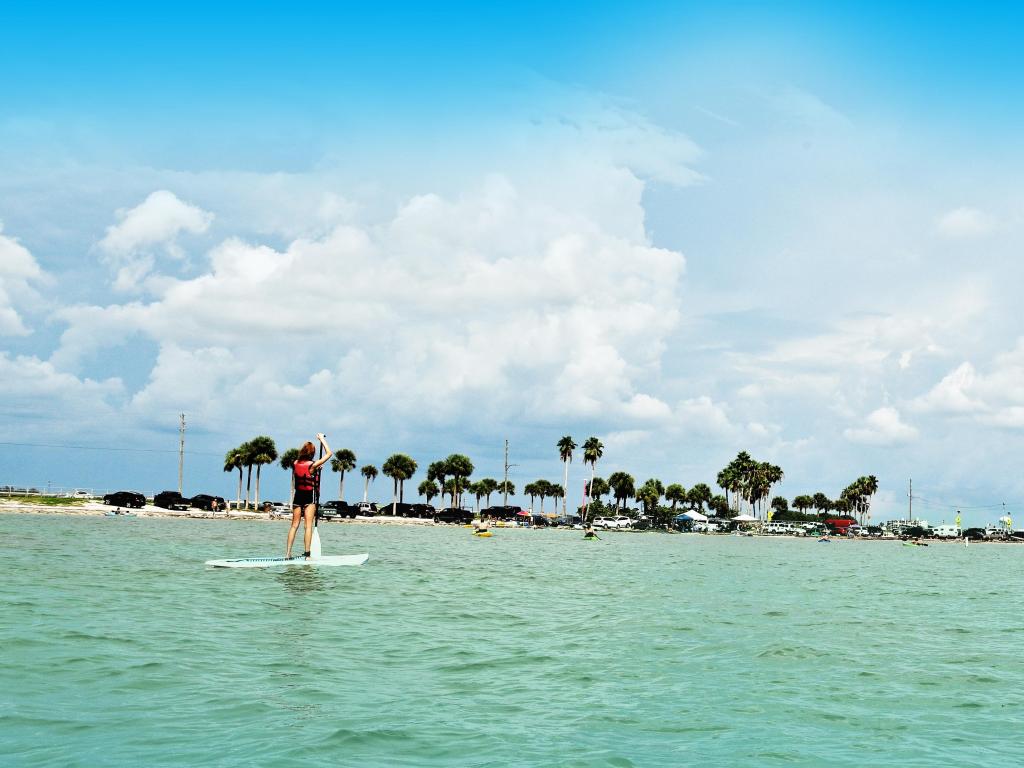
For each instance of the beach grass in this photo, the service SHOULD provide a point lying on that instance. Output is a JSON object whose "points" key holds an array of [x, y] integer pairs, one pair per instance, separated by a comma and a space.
{"points": [[45, 501]]}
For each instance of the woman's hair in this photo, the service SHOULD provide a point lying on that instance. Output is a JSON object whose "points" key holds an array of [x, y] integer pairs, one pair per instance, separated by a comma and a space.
{"points": [[306, 452]]}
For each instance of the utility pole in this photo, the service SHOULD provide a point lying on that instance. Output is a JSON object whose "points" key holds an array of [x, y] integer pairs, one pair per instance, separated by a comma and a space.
{"points": [[181, 452], [504, 486], [910, 502]]}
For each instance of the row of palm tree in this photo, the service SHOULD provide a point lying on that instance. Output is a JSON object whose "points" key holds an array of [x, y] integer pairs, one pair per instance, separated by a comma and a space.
{"points": [[854, 500], [743, 480], [252, 453], [749, 480]]}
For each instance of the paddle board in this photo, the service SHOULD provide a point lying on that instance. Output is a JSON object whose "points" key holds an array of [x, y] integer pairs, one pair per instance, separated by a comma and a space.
{"points": [[271, 562]]}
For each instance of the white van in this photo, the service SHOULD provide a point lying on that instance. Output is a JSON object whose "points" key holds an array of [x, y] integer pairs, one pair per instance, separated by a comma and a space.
{"points": [[947, 532]]}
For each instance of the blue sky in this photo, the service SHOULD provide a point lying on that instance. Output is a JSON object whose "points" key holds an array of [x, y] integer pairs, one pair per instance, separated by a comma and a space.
{"points": [[689, 230]]}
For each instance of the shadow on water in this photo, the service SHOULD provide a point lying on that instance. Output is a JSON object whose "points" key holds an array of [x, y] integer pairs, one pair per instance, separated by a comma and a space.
{"points": [[302, 580]]}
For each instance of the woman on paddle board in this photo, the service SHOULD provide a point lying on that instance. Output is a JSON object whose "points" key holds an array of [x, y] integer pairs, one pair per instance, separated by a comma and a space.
{"points": [[306, 472]]}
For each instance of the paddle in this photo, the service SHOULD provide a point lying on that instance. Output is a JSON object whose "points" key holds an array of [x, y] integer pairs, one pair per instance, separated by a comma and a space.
{"points": [[314, 547]]}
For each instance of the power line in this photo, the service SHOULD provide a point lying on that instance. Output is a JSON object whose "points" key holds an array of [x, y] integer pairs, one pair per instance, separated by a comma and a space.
{"points": [[107, 448]]}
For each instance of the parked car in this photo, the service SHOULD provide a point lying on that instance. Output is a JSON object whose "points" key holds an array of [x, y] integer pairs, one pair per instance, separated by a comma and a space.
{"points": [[366, 508], [171, 500], [205, 501], [424, 510], [125, 499], [337, 508], [398, 509], [459, 515], [501, 512], [619, 522]]}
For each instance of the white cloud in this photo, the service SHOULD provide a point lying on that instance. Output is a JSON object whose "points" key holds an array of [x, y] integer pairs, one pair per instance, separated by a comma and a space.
{"points": [[36, 392], [153, 225], [533, 293], [965, 222], [952, 394], [882, 427], [18, 271]]}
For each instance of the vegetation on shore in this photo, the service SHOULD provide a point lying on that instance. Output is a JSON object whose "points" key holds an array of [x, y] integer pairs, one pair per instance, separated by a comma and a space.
{"points": [[746, 485]]}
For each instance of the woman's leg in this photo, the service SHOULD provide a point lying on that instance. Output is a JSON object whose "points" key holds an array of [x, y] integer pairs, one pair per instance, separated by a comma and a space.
{"points": [[296, 516], [308, 530]]}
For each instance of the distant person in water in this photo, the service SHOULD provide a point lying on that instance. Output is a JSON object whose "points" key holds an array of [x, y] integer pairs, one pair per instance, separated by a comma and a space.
{"points": [[590, 533], [306, 473]]}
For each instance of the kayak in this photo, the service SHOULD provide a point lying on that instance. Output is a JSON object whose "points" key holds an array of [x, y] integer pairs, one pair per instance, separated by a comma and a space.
{"points": [[119, 514], [483, 534], [271, 562]]}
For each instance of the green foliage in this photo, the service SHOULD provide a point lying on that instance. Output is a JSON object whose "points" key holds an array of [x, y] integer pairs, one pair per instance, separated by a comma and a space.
{"points": [[593, 449], [623, 486], [399, 468], [719, 505], [598, 488], [428, 489], [803, 502], [289, 457], [565, 448], [780, 504], [459, 468], [344, 461], [699, 496], [676, 494]]}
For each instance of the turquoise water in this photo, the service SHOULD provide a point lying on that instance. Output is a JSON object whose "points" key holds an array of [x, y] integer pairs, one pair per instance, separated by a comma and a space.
{"points": [[532, 648]]}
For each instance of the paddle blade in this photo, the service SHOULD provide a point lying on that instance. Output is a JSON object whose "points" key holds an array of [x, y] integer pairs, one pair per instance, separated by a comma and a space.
{"points": [[314, 546]]}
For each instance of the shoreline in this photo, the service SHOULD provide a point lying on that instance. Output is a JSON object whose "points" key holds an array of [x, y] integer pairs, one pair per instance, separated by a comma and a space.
{"points": [[97, 509]]}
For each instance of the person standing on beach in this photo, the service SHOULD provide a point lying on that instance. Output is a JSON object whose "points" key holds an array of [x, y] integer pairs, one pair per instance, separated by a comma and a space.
{"points": [[306, 473]]}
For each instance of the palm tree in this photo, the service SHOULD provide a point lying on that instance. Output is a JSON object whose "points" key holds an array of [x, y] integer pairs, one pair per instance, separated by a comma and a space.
{"points": [[263, 452], [649, 494], [234, 459], [676, 494], [437, 472], [344, 461], [370, 473], [593, 449], [489, 486], [821, 502], [479, 491], [288, 459], [556, 492], [399, 468], [460, 468], [565, 448], [598, 488], [541, 489], [623, 486], [531, 490], [245, 452], [698, 496], [428, 489], [803, 503], [779, 505], [506, 488]]}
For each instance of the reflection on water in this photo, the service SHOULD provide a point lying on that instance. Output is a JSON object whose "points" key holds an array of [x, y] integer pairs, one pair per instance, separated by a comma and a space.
{"points": [[302, 579]]}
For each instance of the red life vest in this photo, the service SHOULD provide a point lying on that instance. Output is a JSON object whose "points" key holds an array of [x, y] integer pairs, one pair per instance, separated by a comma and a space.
{"points": [[305, 478]]}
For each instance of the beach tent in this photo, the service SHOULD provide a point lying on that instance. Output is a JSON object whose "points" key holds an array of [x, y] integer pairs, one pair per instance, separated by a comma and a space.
{"points": [[743, 519], [695, 516]]}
